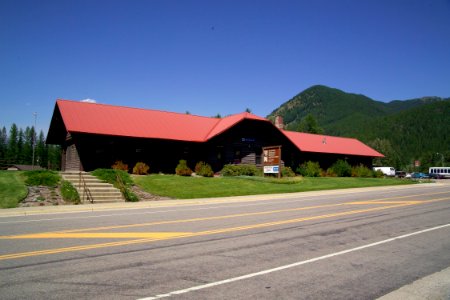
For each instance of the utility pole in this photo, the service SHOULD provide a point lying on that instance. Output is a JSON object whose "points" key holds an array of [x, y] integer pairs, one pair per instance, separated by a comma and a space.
{"points": [[34, 139]]}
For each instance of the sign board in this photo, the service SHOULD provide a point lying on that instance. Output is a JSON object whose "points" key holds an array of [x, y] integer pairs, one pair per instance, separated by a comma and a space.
{"points": [[417, 163], [272, 155], [271, 169], [272, 160]]}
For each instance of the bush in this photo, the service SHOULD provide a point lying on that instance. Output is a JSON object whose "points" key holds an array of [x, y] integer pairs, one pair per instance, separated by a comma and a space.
{"points": [[119, 165], [362, 171], [341, 168], [110, 176], [140, 168], [203, 169], [69, 193], [42, 177], [120, 179], [287, 172], [329, 173], [128, 194], [378, 174], [310, 169], [182, 169], [241, 170]]}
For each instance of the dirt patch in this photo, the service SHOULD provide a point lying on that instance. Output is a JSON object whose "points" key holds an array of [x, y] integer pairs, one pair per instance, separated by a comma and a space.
{"points": [[42, 196]]}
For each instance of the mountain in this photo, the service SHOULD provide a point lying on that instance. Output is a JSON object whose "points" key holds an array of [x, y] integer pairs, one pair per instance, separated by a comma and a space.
{"points": [[413, 129]]}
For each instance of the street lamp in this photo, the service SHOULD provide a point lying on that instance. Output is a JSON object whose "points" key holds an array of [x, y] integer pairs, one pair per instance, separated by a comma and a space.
{"points": [[34, 140]]}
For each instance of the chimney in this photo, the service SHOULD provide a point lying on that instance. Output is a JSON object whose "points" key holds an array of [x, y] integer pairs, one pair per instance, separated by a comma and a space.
{"points": [[279, 122]]}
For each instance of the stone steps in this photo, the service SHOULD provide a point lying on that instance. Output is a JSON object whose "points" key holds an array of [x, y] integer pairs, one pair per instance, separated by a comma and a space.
{"points": [[100, 191]]}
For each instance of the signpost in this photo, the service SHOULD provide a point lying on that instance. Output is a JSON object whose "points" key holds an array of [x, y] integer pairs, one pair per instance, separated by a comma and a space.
{"points": [[272, 160]]}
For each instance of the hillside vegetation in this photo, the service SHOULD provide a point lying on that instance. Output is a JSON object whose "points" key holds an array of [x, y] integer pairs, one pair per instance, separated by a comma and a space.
{"points": [[405, 131]]}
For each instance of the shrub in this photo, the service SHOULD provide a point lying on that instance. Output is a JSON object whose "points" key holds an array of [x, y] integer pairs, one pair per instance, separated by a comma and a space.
{"points": [[128, 194], [203, 169], [241, 170], [310, 169], [378, 174], [182, 169], [341, 168], [362, 171], [69, 193], [140, 168], [287, 172], [110, 176], [120, 179], [42, 177], [330, 173], [119, 165]]}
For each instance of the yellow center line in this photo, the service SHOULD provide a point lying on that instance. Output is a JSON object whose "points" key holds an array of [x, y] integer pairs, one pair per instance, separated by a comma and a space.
{"points": [[172, 221], [374, 201], [151, 237], [193, 234], [98, 235]]}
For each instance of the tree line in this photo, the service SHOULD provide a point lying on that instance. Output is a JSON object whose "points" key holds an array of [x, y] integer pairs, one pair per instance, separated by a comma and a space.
{"points": [[19, 147]]}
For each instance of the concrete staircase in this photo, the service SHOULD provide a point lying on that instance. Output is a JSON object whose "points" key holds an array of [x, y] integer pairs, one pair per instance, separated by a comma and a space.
{"points": [[97, 190]]}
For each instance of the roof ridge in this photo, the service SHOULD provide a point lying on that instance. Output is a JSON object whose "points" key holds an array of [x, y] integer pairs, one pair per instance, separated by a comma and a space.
{"points": [[135, 108], [219, 120]]}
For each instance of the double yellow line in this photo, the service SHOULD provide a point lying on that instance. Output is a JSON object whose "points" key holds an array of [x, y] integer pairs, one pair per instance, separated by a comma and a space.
{"points": [[158, 236]]}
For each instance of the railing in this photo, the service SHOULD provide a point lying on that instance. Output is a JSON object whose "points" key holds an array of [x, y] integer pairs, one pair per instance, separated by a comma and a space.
{"points": [[86, 192]]}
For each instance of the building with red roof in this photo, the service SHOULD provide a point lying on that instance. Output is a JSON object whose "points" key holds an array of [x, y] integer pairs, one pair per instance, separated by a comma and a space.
{"points": [[95, 135]]}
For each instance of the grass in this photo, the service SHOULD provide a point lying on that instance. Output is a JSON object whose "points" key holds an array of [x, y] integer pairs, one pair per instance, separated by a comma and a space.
{"points": [[180, 187], [12, 189]]}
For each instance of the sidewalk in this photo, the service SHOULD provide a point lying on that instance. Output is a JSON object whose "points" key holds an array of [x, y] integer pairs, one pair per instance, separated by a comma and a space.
{"points": [[97, 207], [433, 287]]}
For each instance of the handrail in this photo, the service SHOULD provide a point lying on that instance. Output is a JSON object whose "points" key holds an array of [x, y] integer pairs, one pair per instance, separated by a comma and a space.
{"points": [[86, 191]]}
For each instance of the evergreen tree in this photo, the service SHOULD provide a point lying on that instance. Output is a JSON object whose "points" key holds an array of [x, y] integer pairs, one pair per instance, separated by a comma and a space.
{"points": [[20, 146], [309, 124], [54, 157], [28, 145], [41, 151], [12, 151], [390, 159], [3, 145]]}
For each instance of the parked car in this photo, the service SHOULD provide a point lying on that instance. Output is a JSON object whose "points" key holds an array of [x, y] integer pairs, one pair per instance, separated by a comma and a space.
{"points": [[419, 175], [436, 176], [400, 174]]}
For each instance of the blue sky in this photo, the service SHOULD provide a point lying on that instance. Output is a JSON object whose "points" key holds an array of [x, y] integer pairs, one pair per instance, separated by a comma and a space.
{"points": [[210, 57]]}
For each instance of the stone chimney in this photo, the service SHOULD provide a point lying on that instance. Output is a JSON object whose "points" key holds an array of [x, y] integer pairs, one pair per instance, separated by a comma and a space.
{"points": [[279, 122]]}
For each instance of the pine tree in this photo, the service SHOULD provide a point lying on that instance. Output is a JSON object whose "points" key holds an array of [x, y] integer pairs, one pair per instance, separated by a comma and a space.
{"points": [[12, 151], [309, 124], [41, 151], [3, 145]]}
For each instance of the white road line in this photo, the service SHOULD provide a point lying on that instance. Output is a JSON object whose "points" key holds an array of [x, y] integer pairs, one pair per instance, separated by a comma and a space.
{"points": [[264, 272]]}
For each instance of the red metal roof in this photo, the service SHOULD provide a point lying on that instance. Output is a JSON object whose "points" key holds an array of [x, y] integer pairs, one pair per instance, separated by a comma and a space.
{"points": [[104, 119], [308, 142], [93, 118]]}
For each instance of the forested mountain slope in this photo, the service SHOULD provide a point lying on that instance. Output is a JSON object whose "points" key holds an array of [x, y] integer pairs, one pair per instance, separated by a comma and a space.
{"points": [[412, 129]]}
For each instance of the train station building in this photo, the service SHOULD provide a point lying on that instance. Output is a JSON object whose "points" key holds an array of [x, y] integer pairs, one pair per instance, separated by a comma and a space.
{"points": [[95, 136]]}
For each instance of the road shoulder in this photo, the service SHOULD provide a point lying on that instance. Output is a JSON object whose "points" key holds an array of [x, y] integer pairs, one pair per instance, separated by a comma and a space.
{"points": [[433, 287]]}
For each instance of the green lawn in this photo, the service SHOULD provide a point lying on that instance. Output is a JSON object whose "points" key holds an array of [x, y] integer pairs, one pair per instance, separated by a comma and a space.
{"points": [[12, 189], [200, 187]]}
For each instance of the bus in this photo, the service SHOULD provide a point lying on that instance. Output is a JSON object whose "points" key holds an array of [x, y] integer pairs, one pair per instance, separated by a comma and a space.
{"points": [[441, 171]]}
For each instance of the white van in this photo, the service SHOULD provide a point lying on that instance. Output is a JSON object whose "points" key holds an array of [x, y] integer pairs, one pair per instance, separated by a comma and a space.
{"points": [[388, 171]]}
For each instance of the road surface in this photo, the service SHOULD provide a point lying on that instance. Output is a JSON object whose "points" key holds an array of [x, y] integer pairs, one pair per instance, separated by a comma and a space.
{"points": [[346, 244]]}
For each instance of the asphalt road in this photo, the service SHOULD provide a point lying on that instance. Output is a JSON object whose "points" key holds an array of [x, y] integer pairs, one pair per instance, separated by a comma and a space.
{"points": [[347, 244]]}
